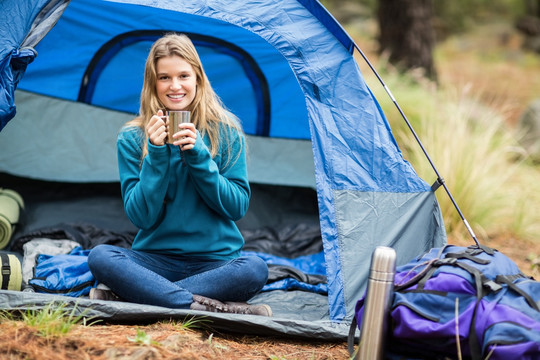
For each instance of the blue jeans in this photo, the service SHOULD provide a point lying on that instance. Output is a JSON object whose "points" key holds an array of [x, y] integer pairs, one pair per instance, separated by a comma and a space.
{"points": [[171, 280]]}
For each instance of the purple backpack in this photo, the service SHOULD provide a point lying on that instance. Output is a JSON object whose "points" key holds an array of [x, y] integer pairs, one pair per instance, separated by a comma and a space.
{"points": [[462, 303]]}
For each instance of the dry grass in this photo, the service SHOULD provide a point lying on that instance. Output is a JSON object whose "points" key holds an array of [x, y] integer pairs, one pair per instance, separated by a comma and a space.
{"points": [[491, 61], [168, 341], [466, 122]]}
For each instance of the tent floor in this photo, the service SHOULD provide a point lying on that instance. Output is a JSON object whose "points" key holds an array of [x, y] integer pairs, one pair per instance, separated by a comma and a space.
{"points": [[296, 313]]}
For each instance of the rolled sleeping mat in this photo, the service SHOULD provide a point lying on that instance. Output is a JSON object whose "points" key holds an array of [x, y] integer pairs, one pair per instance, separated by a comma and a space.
{"points": [[10, 272], [11, 204]]}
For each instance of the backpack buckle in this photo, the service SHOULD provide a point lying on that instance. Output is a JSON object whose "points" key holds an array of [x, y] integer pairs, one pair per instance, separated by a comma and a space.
{"points": [[492, 285], [6, 269], [446, 261]]}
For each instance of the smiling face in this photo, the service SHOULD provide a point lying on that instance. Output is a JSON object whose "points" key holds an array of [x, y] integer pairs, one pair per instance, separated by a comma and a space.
{"points": [[176, 82]]}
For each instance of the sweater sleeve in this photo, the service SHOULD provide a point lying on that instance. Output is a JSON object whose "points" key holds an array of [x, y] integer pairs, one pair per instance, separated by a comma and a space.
{"points": [[224, 188], [143, 186]]}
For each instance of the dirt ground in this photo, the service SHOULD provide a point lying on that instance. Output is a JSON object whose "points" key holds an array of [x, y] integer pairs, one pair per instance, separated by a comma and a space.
{"points": [[156, 341]]}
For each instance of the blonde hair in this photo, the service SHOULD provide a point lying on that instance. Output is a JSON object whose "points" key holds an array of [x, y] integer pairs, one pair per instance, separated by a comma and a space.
{"points": [[207, 111]]}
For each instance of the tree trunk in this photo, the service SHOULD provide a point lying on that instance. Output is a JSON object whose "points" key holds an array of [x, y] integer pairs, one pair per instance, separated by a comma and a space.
{"points": [[532, 7], [406, 34]]}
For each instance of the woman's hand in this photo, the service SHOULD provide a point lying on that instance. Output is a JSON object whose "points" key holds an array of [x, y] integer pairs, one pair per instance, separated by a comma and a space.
{"points": [[157, 129], [186, 136]]}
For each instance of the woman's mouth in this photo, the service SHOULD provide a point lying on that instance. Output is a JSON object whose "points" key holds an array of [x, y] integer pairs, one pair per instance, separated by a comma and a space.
{"points": [[176, 96]]}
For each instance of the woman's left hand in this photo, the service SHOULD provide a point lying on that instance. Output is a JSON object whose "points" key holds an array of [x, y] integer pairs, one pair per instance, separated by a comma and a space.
{"points": [[186, 136]]}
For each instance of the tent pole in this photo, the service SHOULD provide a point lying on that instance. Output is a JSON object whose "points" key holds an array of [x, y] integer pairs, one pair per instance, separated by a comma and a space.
{"points": [[440, 181]]}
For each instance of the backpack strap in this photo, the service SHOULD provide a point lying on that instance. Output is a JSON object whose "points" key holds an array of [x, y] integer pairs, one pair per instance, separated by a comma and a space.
{"points": [[479, 281], [483, 248], [422, 282], [6, 271], [469, 255], [426, 272], [350, 338], [474, 344], [509, 281]]}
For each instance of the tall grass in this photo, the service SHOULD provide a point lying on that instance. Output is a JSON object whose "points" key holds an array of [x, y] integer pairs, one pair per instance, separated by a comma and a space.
{"points": [[474, 150]]}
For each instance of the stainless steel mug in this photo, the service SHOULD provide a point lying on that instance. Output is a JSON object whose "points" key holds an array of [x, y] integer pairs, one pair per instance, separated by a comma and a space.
{"points": [[174, 119]]}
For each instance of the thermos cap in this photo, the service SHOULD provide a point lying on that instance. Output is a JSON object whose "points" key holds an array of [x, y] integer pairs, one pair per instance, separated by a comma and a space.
{"points": [[383, 264]]}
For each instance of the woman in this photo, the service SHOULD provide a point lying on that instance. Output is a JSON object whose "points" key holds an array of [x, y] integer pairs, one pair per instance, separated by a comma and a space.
{"points": [[184, 197]]}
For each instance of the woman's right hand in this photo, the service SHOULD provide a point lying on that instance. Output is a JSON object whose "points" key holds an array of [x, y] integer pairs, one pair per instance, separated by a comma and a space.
{"points": [[157, 129]]}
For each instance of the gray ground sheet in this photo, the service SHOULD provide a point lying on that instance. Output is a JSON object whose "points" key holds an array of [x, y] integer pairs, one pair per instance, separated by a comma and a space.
{"points": [[297, 314]]}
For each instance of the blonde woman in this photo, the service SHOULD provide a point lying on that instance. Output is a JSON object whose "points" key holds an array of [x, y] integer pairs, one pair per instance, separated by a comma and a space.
{"points": [[184, 197]]}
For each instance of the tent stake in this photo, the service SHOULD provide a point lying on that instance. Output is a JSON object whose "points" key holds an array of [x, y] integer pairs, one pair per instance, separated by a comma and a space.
{"points": [[440, 181]]}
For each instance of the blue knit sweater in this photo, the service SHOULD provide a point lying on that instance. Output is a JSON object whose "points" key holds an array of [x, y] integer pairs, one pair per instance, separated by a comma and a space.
{"points": [[185, 203]]}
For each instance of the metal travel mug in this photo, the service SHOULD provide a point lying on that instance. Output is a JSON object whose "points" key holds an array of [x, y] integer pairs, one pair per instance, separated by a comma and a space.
{"points": [[175, 118], [377, 304]]}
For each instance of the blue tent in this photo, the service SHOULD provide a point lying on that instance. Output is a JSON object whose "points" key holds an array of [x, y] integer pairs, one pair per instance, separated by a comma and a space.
{"points": [[24, 24], [286, 68]]}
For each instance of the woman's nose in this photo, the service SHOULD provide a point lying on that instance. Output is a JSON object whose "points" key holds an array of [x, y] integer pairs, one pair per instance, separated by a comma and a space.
{"points": [[176, 84]]}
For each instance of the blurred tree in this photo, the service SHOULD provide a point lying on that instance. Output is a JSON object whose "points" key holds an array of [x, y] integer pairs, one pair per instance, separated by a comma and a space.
{"points": [[406, 34], [529, 25], [533, 7]]}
